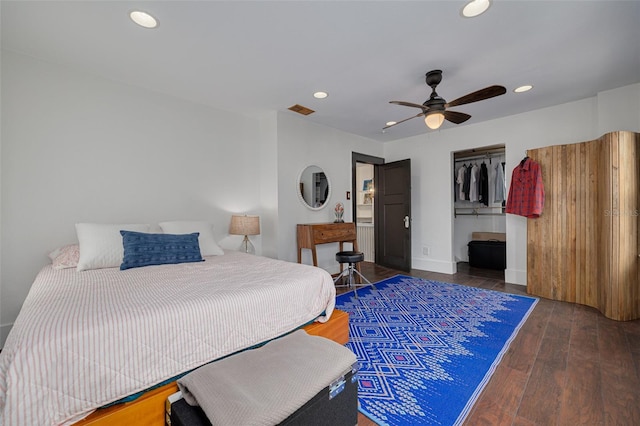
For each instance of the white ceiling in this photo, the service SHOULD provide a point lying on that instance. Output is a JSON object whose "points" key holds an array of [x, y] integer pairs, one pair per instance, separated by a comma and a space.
{"points": [[252, 57]]}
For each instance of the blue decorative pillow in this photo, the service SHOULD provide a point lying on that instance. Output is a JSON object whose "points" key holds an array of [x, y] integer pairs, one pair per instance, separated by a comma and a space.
{"points": [[141, 249]]}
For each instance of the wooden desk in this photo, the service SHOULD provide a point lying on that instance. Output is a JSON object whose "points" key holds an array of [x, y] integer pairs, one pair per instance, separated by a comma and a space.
{"points": [[312, 234]]}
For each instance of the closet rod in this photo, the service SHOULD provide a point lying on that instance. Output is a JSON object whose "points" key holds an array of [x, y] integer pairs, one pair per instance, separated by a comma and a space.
{"points": [[477, 214], [477, 157]]}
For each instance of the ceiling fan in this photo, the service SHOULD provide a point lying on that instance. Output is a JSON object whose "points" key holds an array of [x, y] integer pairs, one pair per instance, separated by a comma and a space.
{"points": [[436, 109]]}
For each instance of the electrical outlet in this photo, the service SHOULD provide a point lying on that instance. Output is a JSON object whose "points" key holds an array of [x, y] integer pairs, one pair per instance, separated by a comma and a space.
{"points": [[426, 251]]}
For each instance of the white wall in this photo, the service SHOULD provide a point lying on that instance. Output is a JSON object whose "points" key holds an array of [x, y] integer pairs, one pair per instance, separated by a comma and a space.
{"points": [[431, 163], [268, 185], [3, 330], [301, 143], [619, 109], [78, 148]]}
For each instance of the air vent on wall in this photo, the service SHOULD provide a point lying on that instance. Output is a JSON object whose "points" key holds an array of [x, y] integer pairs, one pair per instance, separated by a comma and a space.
{"points": [[301, 110]]}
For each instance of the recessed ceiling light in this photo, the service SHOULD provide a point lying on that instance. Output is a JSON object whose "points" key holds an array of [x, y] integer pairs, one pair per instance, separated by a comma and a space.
{"points": [[391, 123], [524, 88], [475, 8], [143, 19], [320, 95]]}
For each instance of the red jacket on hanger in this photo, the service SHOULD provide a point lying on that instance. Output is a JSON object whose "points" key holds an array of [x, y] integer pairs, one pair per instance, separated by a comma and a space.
{"points": [[526, 193]]}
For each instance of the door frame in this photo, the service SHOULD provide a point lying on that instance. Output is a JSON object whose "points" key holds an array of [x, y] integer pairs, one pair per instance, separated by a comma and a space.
{"points": [[357, 157]]}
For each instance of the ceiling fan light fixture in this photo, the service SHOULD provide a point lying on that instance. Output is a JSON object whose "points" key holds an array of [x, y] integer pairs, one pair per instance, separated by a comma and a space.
{"points": [[475, 7], [143, 19], [434, 120]]}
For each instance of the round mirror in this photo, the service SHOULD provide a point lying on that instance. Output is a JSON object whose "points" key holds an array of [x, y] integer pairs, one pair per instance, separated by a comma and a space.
{"points": [[313, 187]]}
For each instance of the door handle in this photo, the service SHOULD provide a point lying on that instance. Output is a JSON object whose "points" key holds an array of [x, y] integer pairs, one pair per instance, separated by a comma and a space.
{"points": [[406, 222]]}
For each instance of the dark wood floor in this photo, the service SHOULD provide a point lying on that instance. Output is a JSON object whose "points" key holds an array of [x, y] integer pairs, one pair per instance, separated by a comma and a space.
{"points": [[568, 365]]}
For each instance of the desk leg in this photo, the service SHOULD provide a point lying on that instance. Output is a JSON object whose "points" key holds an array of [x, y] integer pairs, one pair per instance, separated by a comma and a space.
{"points": [[314, 254]]}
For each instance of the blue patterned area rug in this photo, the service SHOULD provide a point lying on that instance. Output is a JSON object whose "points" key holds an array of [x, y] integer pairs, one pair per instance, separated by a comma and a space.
{"points": [[426, 349]]}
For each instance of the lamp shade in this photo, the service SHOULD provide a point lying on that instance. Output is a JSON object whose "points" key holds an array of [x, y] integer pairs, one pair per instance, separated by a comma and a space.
{"points": [[434, 120], [245, 225]]}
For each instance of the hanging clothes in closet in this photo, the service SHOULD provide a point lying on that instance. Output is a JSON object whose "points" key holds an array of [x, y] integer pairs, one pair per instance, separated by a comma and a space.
{"points": [[526, 194], [477, 181], [460, 174], [500, 188], [467, 182], [483, 185], [473, 184]]}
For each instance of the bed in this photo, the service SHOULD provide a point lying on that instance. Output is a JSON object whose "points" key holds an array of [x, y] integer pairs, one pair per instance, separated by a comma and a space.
{"points": [[87, 339]]}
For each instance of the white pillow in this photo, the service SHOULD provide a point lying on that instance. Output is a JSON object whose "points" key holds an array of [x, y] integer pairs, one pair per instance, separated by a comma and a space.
{"points": [[208, 245], [101, 244]]}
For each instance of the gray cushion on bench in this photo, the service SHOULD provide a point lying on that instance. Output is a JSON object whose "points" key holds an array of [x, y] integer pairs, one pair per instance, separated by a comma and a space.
{"points": [[266, 385]]}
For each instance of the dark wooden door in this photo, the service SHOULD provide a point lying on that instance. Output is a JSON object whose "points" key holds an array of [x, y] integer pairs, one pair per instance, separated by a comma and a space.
{"points": [[393, 215]]}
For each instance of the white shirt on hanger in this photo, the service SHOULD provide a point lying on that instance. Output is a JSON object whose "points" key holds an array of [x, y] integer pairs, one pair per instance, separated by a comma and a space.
{"points": [[473, 189], [460, 182], [501, 185]]}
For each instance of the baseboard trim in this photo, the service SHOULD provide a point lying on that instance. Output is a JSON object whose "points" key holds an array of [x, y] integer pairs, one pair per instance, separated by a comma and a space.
{"points": [[443, 267], [515, 276]]}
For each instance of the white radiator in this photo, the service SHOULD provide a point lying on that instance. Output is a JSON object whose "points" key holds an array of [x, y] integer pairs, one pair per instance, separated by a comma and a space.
{"points": [[367, 242]]}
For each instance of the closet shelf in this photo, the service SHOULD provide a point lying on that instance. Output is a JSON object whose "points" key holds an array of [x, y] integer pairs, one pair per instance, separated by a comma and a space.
{"points": [[478, 211]]}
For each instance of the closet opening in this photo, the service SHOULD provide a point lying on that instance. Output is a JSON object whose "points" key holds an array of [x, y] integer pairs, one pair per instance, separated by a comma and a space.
{"points": [[479, 196]]}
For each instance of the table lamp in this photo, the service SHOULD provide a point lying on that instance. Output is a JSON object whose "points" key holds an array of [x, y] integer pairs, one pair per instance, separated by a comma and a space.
{"points": [[245, 225]]}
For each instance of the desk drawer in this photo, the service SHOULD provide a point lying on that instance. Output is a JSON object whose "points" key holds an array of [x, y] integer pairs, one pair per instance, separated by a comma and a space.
{"points": [[334, 232]]}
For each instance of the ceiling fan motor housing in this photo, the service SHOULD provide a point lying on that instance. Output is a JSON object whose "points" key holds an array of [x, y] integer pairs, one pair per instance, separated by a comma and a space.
{"points": [[433, 78], [435, 103]]}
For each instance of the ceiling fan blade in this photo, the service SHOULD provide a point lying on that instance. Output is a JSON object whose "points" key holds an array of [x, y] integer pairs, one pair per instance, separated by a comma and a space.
{"points": [[479, 95], [409, 104], [402, 121], [456, 117]]}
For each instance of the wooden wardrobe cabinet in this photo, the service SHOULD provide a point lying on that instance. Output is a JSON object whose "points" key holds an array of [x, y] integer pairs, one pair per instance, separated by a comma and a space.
{"points": [[584, 247]]}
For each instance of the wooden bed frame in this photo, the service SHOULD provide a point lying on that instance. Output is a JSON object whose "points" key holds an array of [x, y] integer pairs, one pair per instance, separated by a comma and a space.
{"points": [[149, 409]]}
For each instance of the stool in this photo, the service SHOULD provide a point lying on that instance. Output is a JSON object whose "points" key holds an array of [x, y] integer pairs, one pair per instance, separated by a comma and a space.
{"points": [[351, 257]]}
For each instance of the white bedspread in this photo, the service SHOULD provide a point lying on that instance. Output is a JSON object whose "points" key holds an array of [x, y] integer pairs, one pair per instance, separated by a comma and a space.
{"points": [[85, 339]]}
